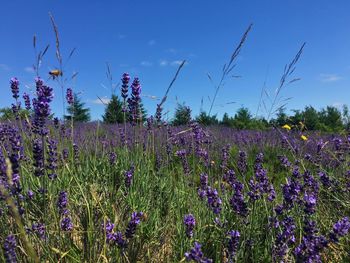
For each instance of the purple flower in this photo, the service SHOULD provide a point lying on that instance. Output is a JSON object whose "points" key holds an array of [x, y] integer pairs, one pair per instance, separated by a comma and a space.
{"points": [[128, 175], [62, 203], [69, 96], [158, 115], [66, 223], [135, 101], [242, 162], [324, 178], [233, 243], [225, 156], [125, 83], [284, 238], [41, 106], [190, 223], [14, 87], [214, 201], [112, 158], [30, 194], [311, 245], [310, 201], [52, 158], [196, 254], [237, 201], [38, 158], [131, 228], [39, 229], [27, 101], [340, 229], [9, 247]]}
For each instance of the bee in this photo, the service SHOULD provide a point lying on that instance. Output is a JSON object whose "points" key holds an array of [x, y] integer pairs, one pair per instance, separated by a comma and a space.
{"points": [[55, 73]]}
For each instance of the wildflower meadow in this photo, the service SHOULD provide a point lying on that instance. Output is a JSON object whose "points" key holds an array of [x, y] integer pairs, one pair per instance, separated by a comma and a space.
{"points": [[140, 189]]}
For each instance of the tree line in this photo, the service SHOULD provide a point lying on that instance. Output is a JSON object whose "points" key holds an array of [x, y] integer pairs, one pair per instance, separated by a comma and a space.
{"points": [[328, 119]]}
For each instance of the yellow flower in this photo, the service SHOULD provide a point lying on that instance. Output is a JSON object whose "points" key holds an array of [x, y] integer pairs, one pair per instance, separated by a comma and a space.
{"points": [[303, 137], [287, 127]]}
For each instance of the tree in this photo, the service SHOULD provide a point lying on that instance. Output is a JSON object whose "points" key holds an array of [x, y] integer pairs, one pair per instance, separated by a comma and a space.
{"points": [[331, 119], [226, 120], [311, 118], [242, 118], [204, 119], [77, 111], [281, 117], [182, 115], [113, 111]]}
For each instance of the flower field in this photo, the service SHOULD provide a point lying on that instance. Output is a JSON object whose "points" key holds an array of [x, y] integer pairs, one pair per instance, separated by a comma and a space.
{"points": [[151, 192]]}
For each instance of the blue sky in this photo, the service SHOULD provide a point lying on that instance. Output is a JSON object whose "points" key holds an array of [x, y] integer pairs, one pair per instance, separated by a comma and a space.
{"points": [[149, 38]]}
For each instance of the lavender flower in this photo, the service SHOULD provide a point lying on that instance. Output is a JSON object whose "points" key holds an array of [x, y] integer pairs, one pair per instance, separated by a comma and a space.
{"points": [[10, 249], [214, 201], [14, 87], [134, 101], [66, 223], [242, 162], [237, 201], [131, 228], [128, 175], [158, 115], [69, 96], [41, 106], [233, 243], [225, 156], [190, 223], [196, 254], [27, 101], [39, 229], [311, 245], [310, 201], [125, 82], [340, 229], [284, 238], [38, 158], [62, 203], [112, 158], [52, 158]]}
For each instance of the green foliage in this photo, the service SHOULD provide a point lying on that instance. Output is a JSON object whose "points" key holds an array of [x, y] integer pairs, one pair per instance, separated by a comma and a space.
{"points": [[331, 117], [113, 112], [242, 118], [6, 114], [182, 115], [77, 111], [204, 119]]}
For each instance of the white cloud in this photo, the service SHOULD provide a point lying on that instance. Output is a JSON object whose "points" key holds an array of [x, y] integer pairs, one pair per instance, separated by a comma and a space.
{"points": [[4, 67], [152, 42], [163, 62], [121, 36], [101, 101], [146, 63], [330, 77], [29, 69], [178, 63]]}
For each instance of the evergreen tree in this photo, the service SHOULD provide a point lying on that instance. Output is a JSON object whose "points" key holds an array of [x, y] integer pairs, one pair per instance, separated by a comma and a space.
{"points": [[242, 118], [182, 115], [204, 119], [77, 111], [226, 120], [113, 111]]}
